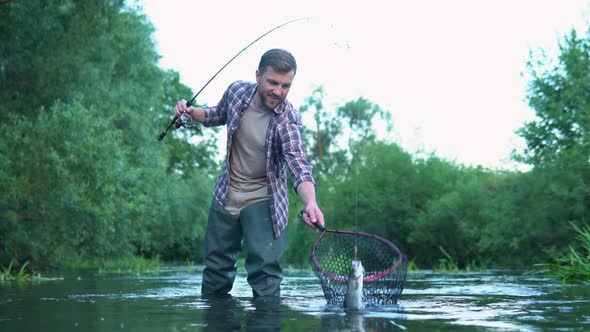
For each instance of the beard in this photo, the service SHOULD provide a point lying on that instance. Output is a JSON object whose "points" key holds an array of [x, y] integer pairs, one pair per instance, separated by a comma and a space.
{"points": [[269, 102]]}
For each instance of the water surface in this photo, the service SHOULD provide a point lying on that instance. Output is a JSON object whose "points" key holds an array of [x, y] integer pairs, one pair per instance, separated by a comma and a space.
{"points": [[171, 301]]}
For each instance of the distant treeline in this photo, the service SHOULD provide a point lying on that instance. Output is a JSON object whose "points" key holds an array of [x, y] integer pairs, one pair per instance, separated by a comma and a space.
{"points": [[82, 176]]}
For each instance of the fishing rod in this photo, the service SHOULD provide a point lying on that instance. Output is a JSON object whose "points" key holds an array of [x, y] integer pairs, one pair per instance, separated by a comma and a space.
{"points": [[178, 121]]}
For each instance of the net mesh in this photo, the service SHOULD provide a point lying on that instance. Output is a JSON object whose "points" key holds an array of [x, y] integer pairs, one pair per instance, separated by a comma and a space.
{"points": [[385, 266]]}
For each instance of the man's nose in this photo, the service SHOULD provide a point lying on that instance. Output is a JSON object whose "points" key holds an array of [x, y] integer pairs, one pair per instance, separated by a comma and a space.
{"points": [[278, 91]]}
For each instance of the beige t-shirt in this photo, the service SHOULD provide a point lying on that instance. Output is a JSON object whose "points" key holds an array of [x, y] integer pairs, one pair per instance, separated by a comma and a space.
{"points": [[247, 177]]}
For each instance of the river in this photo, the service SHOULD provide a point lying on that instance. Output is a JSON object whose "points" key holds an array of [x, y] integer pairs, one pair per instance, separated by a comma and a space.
{"points": [[170, 301]]}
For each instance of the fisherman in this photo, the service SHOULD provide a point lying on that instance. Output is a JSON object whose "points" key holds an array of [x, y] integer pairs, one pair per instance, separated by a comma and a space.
{"points": [[250, 200]]}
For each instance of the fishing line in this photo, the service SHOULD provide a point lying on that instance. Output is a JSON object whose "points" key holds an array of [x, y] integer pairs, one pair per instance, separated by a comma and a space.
{"points": [[356, 203]]}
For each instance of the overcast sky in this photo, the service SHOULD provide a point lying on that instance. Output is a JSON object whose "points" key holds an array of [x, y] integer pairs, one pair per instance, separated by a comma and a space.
{"points": [[452, 73]]}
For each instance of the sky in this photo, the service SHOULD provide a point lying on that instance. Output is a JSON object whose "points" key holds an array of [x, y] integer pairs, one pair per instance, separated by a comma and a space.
{"points": [[451, 73]]}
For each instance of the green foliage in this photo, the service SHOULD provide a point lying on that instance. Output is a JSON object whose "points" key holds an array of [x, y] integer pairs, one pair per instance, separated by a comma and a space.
{"points": [[190, 266], [300, 238], [447, 263], [559, 96], [56, 180], [412, 266], [558, 143], [575, 266], [131, 264], [482, 218], [8, 275], [63, 50], [82, 174], [322, 138], [22, 275], [83, 178]]}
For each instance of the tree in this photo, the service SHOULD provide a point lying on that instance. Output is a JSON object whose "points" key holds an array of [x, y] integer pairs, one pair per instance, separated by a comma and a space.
{"points": [[560, 97], [82, 100], [558, 140]]}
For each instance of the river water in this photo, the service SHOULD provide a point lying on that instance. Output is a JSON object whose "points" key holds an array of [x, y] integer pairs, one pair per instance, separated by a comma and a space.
{"points": [[170, 301]]}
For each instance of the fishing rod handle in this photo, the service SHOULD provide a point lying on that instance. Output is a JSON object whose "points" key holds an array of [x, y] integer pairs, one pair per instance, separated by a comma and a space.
{"points": [[165, 131], [162, 134]]}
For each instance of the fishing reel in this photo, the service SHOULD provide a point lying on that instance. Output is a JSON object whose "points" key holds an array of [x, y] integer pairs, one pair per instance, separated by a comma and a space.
{"points": [[184, 120]]}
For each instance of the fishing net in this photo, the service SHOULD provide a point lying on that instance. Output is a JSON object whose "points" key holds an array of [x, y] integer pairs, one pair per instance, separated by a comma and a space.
{"points": [[385, 266]]}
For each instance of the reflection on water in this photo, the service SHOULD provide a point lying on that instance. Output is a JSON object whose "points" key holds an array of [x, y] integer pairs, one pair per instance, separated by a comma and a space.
{"points": [[170, 301], [225, 314]]}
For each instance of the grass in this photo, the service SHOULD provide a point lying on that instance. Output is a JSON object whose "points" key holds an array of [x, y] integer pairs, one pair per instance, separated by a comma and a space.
{"points": [[447, 263], [125, 264], [477, 266], [190, 266], [412, 266], [8, 274], [575, 266], [132, 264]]}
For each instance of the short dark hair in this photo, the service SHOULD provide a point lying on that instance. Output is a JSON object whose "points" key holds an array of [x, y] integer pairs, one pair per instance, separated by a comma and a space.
{"points": [[278, 59]]}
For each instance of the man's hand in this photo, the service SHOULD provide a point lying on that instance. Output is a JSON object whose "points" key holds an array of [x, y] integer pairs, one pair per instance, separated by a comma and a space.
{"points": [[195, 112], [181, 107], [312, 215]]}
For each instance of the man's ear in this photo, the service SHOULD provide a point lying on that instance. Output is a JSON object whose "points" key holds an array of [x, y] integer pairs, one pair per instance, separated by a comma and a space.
{"points": [[257, 76]]}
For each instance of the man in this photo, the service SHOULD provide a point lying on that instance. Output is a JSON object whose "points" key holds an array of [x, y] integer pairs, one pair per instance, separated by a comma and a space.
{"points": [[250, 196]]}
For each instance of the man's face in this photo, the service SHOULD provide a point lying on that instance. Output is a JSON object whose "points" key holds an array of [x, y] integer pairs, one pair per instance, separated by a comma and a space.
{"points": [[273, 87]]}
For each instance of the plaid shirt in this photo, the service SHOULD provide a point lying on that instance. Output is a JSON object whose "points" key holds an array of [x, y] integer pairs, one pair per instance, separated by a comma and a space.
{"points": [[283, 148]]}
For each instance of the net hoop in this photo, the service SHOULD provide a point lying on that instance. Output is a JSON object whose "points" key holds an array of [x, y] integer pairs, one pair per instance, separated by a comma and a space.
{"points": [[369, 278]]}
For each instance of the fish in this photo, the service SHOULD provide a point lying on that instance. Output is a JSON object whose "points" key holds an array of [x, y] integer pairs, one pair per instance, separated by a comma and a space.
{"points": [[354, 287]]}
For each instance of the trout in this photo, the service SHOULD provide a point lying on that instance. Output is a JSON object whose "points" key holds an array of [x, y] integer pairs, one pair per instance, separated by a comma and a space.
{"points": [[354, 287]]}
